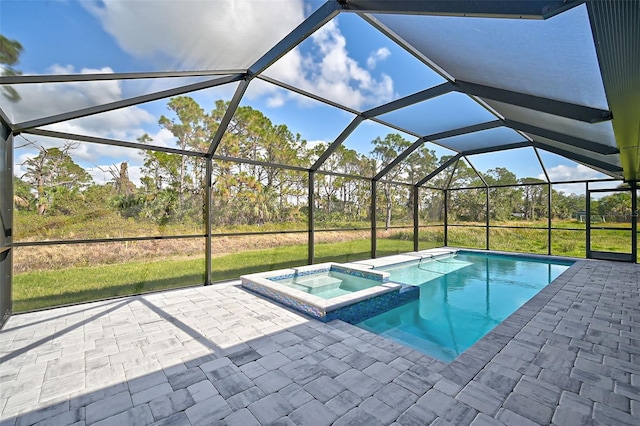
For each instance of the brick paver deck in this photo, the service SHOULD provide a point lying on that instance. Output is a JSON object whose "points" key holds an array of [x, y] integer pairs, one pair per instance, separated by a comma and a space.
{"points": [[221, 355]]}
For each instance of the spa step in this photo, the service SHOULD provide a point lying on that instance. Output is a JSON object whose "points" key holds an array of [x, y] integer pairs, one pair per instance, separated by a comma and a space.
{"points": [[313, 281]]}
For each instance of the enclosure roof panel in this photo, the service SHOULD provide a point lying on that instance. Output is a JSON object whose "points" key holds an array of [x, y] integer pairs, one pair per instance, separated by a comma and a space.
{"points": [[146, 35], [447, 112], [553, 58], [40, 100], [490, 138], [616, 27], [350, 62], [562, 75], [601, 133], [608, 164]]}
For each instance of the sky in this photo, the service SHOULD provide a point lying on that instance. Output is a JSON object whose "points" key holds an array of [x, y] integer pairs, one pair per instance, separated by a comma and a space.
{"points": [[346, 61]]}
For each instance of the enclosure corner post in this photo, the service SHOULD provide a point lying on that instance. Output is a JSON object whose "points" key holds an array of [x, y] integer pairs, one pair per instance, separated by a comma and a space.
{"points": [[374, 230], [549, 221], [588, 224], [6, 220], [416, 220], [207, 211], [446, 217], [634, 221], [311, 219], [487, 223]]}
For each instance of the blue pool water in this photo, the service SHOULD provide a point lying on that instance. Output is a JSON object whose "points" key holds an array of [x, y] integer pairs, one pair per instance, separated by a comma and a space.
{"points": [[328, 284], [462, 298]]}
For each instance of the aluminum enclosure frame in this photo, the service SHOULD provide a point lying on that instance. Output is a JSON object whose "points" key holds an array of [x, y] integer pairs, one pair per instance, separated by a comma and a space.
{"points": [[531, 9], [6, 222]]}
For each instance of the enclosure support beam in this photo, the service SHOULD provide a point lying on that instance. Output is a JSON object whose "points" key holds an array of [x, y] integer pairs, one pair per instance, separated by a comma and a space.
{"points": [[112, 142], [606, 168], [415, 98], [537, 103], [542, 166], [549, 220], [530, 9], [450, 133], [207, 212], [307, 94], [453, 171], [446, 217], [438, 170], [561, 137], [400, 158], [416, 221], [74, 78], [634, 221], [126, 102], [6, 222], [4, 119], [324, 14], [588, 224], [341, 138], [228, 115], [311, 224], [374, 230], [487, 217], [496, 148]]}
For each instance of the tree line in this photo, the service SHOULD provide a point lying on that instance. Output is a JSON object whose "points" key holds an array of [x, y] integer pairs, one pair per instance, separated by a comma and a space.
{"points": [[173, 187]]}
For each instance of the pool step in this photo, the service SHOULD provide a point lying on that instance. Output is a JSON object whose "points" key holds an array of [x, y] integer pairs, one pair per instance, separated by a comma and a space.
{"points": [[313, 281]]}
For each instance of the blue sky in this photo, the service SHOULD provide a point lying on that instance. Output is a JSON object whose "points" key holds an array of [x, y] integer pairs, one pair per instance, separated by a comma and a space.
{"points": [[346, 61]]}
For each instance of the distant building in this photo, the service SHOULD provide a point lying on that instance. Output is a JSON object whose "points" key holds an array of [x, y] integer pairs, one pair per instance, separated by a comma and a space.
{"points": [[581, 216]]}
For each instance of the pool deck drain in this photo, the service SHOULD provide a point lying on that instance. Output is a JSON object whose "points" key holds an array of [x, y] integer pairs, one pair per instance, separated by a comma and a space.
{"points": [[221, 355]]}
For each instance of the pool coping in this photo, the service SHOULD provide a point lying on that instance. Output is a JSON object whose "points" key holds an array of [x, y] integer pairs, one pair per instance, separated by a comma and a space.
{"points": [[535, 256], [311, 304], [469, 363], [575, 352], [367, 302], [496, 339], [398, 259]]}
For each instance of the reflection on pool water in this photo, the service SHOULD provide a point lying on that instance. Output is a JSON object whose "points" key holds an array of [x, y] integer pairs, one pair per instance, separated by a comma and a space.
{"points": [[462, 298]]}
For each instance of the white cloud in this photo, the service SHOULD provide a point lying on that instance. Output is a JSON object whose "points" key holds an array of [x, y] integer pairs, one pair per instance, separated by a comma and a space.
{"points": [[188, 34], [101, 175], [276, 100], [563, 173], [191, 35], [378, 56], [124, 124], [20, 169], [43, 100], [315, 143], [333, 74]]}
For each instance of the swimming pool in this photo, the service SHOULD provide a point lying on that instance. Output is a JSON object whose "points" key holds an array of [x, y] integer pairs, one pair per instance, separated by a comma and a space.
{"points": [[462, 298]]}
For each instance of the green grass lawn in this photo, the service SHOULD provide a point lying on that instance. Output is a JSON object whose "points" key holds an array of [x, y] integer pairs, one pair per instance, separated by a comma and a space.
{"points": [[41, 289]]}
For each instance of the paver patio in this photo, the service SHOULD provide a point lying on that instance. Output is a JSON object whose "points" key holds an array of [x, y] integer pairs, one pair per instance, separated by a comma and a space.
{"points": [[222, 355]]}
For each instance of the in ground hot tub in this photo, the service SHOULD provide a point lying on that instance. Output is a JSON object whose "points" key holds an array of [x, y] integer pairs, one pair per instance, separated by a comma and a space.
{"points": [[331, 291], [331, 282]]}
